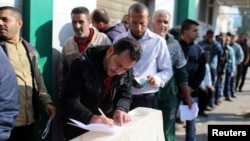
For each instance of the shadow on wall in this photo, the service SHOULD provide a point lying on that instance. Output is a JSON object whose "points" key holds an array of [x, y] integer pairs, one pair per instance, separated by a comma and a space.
{"points": [[44, 47], [65, 33]]}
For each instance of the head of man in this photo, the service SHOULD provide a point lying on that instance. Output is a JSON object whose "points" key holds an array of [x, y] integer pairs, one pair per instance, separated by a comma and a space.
{"points": [[100, 19], [228, 38], [210, 36], [80, 18], [176, 32], [138, 19], [125, 20], [161, 22], [189, 30], [121, 56], [10, 23], [241, 37]]}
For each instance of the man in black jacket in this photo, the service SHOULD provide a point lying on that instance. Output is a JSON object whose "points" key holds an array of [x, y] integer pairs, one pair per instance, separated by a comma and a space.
{"points": [[101, 78]]}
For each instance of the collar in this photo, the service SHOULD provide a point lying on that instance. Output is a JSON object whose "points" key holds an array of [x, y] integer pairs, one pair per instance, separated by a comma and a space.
{"points": [[148, 34]]}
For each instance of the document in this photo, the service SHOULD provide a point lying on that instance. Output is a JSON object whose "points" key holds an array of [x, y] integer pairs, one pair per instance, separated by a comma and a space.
{"points": [[97, 127], [188, 114]]}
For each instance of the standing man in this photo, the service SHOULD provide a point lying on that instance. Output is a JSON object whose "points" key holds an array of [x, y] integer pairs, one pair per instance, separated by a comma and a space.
{"points": [[214, 50], [241, 75], [196, 62], [9, 97], [101, 20], [155, 64], [101, 78], [239, 56], [84, 37], [22, 56], [168, 95]]}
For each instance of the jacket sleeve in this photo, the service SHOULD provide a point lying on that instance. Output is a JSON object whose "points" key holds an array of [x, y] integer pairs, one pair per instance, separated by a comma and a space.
{"points": [[200, 73], [71, 104], [41, 89], [9, 98], [123, 95]]}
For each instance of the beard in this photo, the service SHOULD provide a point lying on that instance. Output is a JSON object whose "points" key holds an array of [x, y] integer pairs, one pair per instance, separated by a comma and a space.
{"points": [[137, 37]]}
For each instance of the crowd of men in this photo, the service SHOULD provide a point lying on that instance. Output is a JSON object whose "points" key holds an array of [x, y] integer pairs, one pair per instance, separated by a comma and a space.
{"points": [[99, 64]]}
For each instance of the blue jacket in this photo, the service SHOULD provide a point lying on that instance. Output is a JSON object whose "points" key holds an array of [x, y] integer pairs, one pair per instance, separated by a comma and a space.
{"points": [[9, 97]]}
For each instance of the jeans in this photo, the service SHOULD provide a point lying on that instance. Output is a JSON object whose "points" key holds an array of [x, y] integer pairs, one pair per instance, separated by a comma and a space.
{"points": [[228, 82], [190, 127]]}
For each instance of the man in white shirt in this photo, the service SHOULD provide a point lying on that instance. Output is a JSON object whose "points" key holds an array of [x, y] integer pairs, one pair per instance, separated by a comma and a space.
{"points": [[155, 63]]}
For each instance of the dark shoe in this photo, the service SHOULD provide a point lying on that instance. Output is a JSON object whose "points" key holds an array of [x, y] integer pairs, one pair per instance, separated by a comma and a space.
{"points": [[233, 96], [203, 114], [240, 90], [228, 99]]}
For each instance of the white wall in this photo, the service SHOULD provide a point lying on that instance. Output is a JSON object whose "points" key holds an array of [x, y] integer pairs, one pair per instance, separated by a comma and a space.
{"points": [[16, 3], [62, 28], [168, 5]]}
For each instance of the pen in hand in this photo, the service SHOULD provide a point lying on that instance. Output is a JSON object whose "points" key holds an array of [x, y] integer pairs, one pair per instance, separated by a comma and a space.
{"points": [[110, 120], [100, 110]]}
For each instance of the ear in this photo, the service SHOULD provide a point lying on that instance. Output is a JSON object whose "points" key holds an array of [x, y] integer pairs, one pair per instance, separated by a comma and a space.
{"points": [[20, 23], [100, 25], [110, 51]]}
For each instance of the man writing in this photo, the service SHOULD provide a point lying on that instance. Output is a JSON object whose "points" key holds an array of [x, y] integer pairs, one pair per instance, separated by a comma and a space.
{"points": [[100, 78]]}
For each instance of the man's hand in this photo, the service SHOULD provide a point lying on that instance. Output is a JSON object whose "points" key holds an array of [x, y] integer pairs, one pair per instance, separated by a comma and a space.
{"points": [[151, 80], [120, 117], [50, 110], [102, 119], [186, 95]]}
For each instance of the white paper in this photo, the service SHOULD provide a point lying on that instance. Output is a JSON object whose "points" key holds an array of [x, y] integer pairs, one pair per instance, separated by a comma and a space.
{"points": [[97, 127], [46, 130], [188, 114]]}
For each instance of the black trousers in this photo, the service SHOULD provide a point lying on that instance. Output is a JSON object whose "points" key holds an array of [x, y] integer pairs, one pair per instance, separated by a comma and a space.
{"points": [[144, 100], [23, 133]]}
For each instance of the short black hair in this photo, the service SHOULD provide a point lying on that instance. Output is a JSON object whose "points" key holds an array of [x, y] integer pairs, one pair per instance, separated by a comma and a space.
{"points": [[81, 10], [16, 12], [100, 15], [210, 32], [137, 8], [187, 23], [132, 45]]}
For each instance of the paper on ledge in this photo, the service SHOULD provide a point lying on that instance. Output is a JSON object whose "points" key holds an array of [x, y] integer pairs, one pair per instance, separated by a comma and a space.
{"points": [[189, 114], [97, 127]]}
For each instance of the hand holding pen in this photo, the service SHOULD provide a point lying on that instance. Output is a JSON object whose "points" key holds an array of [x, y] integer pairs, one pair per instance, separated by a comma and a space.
{"points": [[103, 119]]}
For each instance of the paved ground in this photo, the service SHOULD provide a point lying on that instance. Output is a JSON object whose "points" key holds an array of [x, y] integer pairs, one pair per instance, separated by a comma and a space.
{"points": [[226, 113]]}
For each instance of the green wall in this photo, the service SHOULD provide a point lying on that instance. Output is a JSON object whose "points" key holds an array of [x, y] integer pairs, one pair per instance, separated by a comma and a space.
{"points": [[186, 9], [37, 29]]}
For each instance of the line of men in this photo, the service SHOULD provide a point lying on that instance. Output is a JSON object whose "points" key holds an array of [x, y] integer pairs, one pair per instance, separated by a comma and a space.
{"points": [[172, 71], [97, 66]]}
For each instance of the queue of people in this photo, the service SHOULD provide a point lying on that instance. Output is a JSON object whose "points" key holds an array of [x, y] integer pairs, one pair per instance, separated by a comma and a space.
{"points": [[98, 65]]}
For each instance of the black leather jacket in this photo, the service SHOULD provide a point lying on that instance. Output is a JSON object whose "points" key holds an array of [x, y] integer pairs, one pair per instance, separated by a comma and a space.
{"points": [[85, 87]]}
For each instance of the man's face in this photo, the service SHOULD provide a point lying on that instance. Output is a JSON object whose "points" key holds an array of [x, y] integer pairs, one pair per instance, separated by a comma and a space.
{"points": [[138, 23], [241, 38], [117, 64], [210, 38], [80, 25], [161, 25], [192, 33], [9, 25]]}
